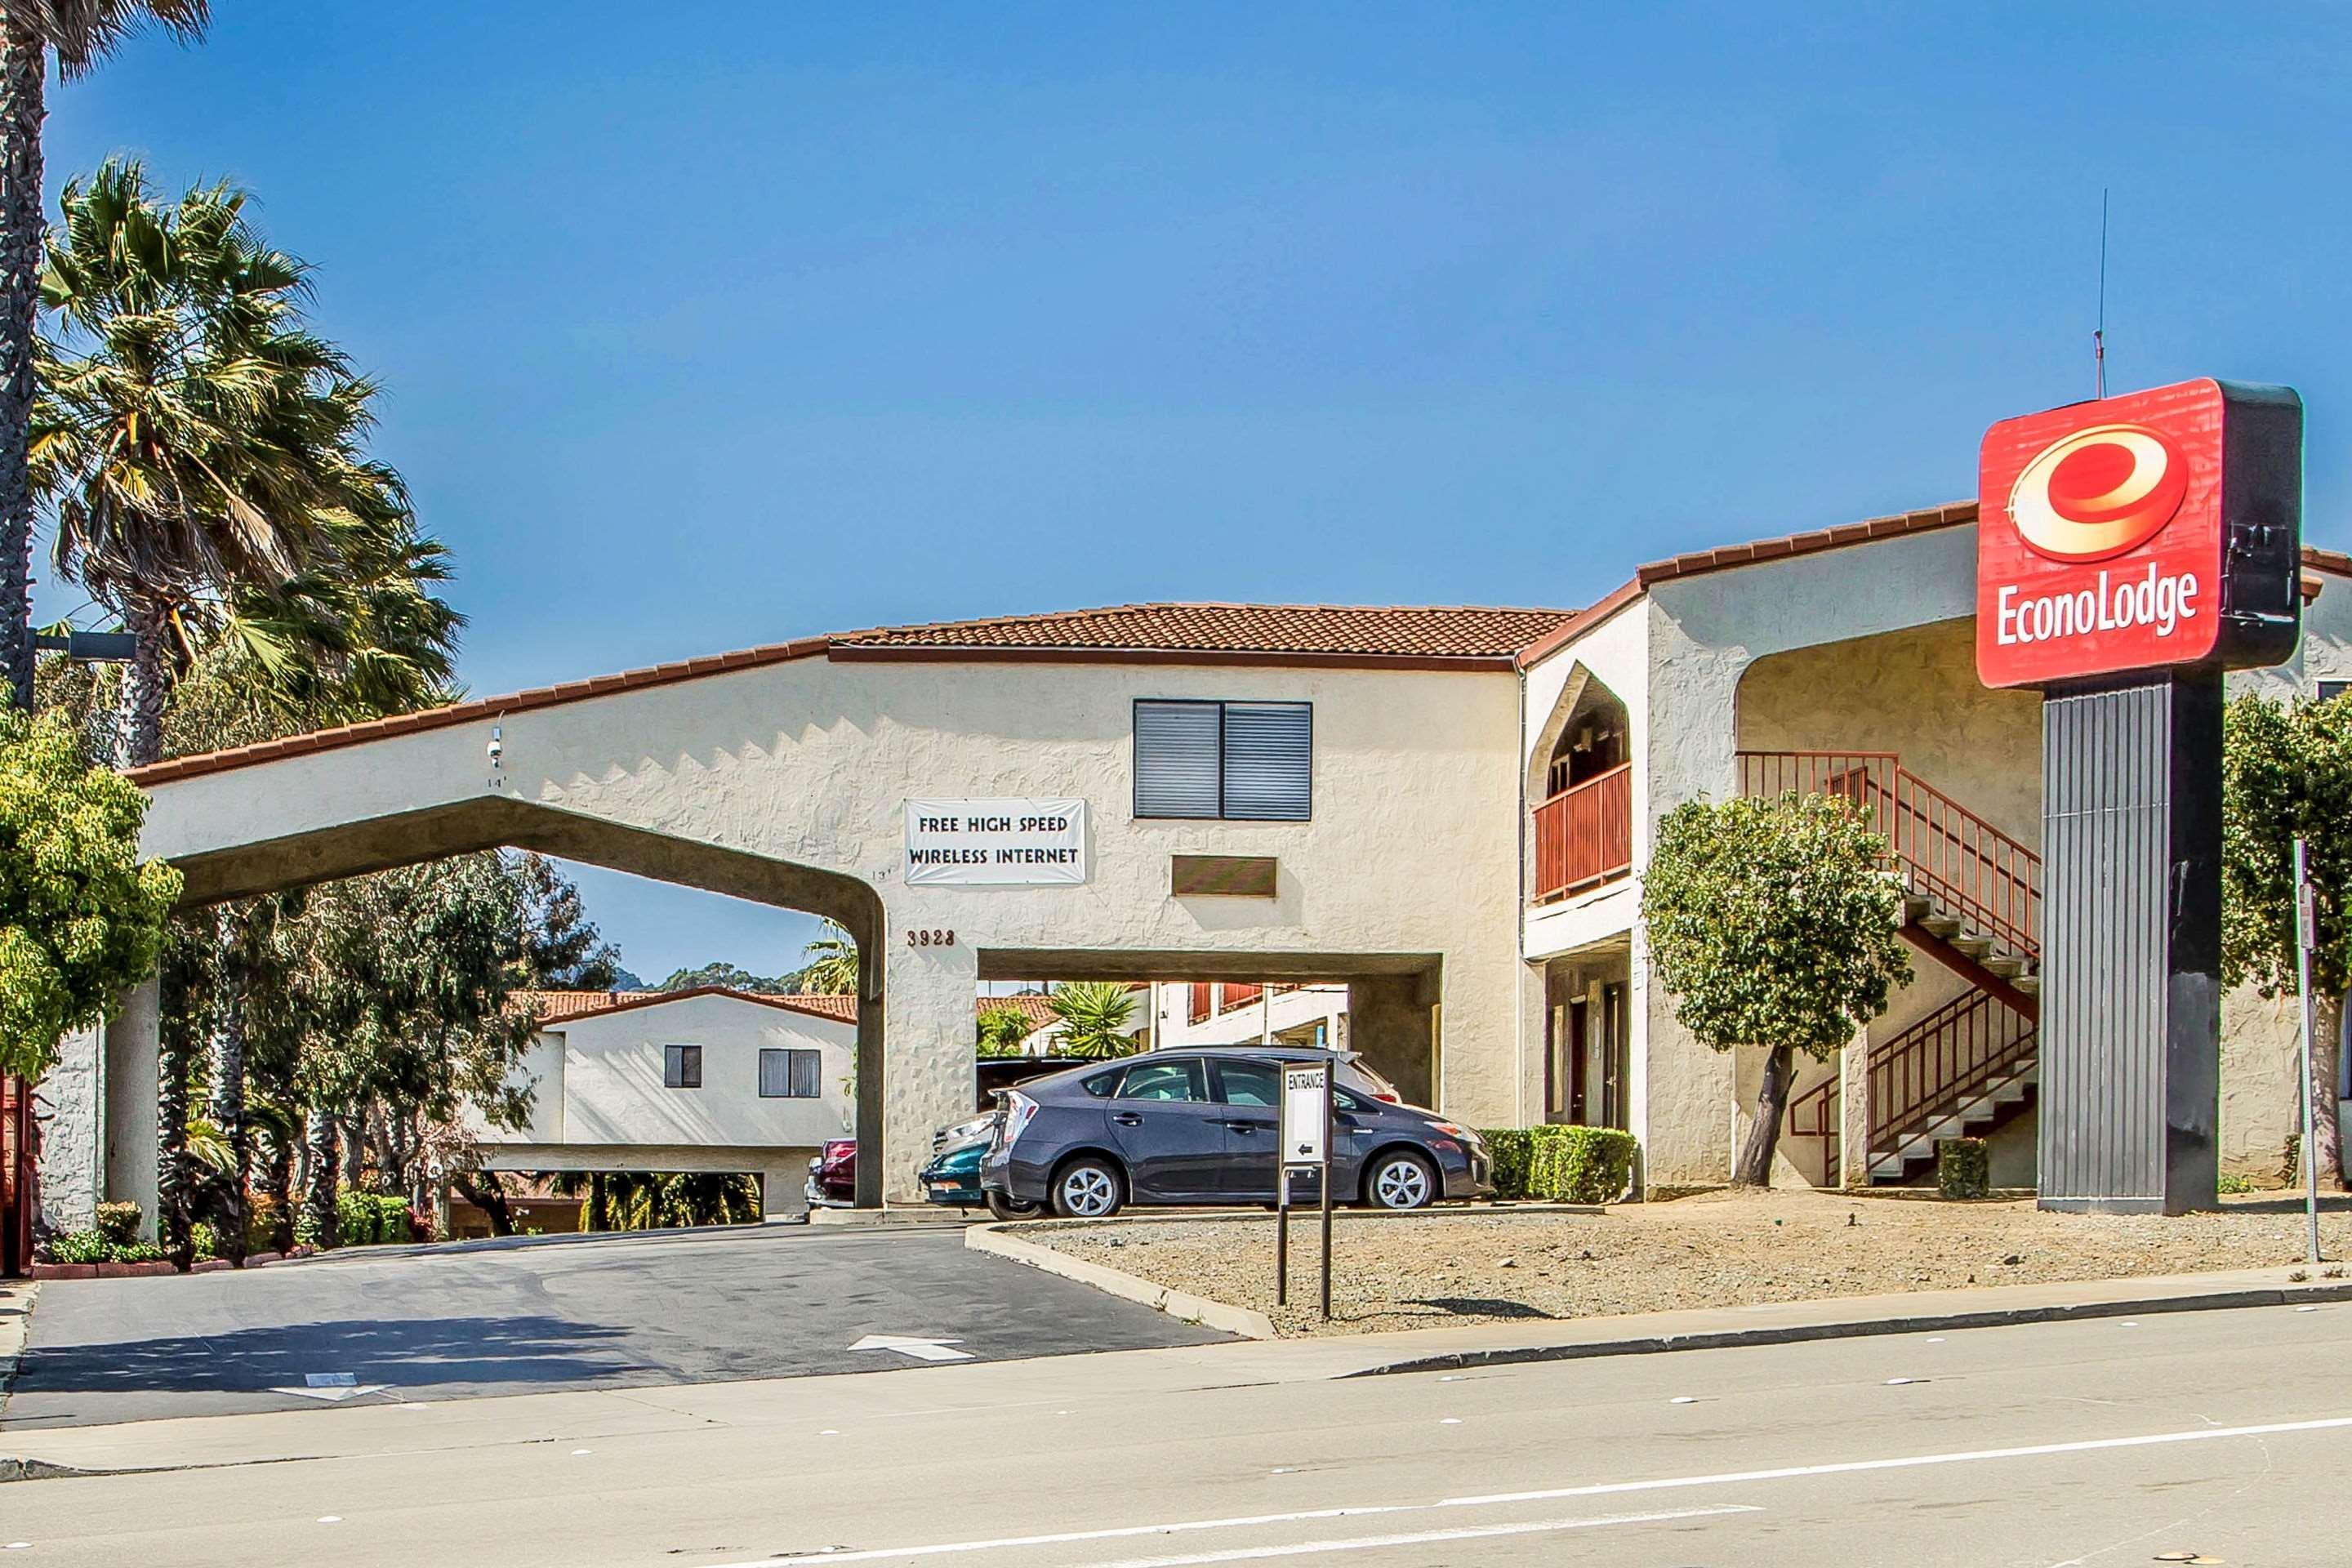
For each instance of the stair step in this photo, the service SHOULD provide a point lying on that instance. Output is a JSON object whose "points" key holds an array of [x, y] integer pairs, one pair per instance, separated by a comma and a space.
{"points": [[1974, 946], [2028, 984], [1914, 907], [1943, 926]]}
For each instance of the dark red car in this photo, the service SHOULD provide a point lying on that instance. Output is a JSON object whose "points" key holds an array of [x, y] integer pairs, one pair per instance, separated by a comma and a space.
{"points": [[833, 1174]]}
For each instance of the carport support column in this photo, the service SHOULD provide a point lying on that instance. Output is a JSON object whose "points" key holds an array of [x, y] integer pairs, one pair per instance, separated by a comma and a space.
{"points": [[2131, 898], [132, 1137], [927, 1078]]}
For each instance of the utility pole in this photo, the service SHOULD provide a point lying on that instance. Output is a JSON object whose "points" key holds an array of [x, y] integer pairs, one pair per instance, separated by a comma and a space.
{"points": [[2307, 937]]}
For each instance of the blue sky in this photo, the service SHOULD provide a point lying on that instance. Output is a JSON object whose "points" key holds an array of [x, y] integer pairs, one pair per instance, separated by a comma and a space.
{"points": [[712, 324]]}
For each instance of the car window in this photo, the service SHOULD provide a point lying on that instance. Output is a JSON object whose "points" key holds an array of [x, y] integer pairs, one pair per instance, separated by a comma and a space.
{"points": [[1250, 1083], [1100, 1084], [1347, 1100], [1163, 1080]]}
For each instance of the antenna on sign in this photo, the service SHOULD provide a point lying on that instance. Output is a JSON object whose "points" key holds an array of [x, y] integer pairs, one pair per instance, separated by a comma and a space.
{"points": [[2099, 333]]}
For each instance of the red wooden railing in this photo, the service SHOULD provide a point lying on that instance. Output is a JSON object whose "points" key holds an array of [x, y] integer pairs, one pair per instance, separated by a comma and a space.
{"points": [[1981, 876], [1239, 996], [1200, 1005], [1584, 835], [1814, 1114], [16, 1154]]}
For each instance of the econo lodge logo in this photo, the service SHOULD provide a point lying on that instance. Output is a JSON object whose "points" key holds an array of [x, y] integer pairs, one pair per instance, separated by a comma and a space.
{"points": [[2098, 492]]}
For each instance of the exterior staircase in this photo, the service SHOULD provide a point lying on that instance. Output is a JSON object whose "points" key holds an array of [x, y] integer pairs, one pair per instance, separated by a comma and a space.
{"points": [[1972, 901]]}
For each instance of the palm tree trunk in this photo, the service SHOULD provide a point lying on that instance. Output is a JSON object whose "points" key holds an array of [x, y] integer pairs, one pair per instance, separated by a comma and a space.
{"points": [[173, 1182], [278, 1179], [227, 1109], [317, 1225], [596, 1216], [23, 107], [139, 713], [353, 1130]]}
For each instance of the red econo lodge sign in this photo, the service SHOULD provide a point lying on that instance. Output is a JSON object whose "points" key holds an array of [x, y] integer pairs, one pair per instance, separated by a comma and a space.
{"points": [[2140, 532]]}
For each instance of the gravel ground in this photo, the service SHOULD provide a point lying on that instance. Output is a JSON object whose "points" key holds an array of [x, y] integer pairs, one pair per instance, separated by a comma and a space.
{"points": [[1721, 1249]]}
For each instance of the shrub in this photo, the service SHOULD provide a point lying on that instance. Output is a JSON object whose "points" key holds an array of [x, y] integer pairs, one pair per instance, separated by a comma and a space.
{"points": [[1510, 1146], [1964, 1168], [78, 1246], [118, 1223], [2233, 1183], [261, 1223], [366, 1219], [205, 1237], [1580, 1164]]}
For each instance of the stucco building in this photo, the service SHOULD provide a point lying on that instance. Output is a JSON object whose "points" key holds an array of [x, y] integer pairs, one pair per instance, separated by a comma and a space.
{"points": [[1443, 813]]}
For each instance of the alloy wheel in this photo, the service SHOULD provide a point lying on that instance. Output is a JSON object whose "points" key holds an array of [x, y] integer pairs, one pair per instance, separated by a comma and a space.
{"points": [[1089, 1191], [1400, 1184]]}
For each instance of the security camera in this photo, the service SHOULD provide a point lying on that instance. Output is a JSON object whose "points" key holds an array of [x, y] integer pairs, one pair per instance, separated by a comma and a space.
{"points": [[498, 746]]}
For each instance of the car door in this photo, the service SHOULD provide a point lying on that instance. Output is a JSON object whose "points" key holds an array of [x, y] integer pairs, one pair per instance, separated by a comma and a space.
{"points": [[1252, 1095], [1169, 1131], [1356, 1127]]}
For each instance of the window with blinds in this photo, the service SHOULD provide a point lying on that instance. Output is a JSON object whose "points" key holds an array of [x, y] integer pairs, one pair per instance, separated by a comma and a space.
{"points": [[1243, 762], [789, 1074], [681, 1067]]}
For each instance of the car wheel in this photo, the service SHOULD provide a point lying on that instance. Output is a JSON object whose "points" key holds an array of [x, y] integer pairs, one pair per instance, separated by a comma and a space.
{"points": [[1087, 1188], [1401, 1180], [1003, 1206]]}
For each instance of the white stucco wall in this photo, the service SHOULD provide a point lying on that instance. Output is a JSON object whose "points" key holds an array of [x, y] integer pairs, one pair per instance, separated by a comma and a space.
{"points": [[1409, 853], [1299, 1008]]}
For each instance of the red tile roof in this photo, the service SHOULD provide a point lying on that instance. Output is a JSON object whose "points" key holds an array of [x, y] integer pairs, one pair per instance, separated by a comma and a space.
{"points": [[566, 1007], [1338, 631]]}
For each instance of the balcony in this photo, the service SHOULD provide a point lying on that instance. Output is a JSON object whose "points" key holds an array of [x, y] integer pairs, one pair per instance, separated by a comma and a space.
{"points": [[1584, 835]]}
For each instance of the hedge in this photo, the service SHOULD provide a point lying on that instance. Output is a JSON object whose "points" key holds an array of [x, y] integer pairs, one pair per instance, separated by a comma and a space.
{"points": [[1561, 1164], [1963, 1168], [364, 1218]]}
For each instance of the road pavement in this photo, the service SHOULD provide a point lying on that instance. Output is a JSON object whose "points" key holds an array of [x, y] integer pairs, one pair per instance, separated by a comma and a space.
{"points": [[648, 1311], [2104, 1442]]}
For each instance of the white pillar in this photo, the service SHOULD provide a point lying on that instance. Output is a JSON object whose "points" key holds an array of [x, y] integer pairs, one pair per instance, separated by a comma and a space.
{"points": [[928, 1078], [133, 1050], [70, 1101]]}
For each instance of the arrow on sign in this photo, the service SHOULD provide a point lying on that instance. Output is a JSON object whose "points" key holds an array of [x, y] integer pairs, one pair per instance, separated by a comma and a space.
{"points": [[335, 1394], [920, 1348]]}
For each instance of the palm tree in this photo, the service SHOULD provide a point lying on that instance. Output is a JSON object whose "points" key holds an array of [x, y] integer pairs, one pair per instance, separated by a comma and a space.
{"points": [[832, 967], [81, 32], [196, 443], [1094, 1015]]}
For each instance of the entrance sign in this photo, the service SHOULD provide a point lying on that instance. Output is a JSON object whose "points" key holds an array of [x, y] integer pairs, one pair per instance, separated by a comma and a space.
{"points": [[1305, 1114], [996, 843], [2147, 531]]}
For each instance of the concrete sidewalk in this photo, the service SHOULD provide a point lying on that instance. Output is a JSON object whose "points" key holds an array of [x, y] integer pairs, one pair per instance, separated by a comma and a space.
{"points": [[380, 1427]]}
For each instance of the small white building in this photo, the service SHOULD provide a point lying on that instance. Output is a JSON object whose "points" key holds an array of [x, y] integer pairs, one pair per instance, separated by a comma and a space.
{"points": [[706, 1079], [1229, 1013]]}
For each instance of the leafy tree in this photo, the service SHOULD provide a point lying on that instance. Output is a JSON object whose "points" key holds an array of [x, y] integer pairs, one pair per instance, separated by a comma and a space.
{"points": [[831, 966], [196, 443], [1001, 1030], [563, 950], [2286, 772], [1094, 1015], [82, 917], [1772, 923], [733, 976], [80, 34]]}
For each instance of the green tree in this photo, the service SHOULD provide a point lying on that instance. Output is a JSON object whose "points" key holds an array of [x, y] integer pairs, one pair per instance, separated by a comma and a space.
{"points": [[196, 444], [1094, 1015], [998, 1031], [831, 966], [2286, 773], [80, 34], [1772, 923], [82, 917], [561, 950], [735, 977]]}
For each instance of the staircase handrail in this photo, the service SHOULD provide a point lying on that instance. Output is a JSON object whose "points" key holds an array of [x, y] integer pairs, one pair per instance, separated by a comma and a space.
{"points": [[1990, 1043]]}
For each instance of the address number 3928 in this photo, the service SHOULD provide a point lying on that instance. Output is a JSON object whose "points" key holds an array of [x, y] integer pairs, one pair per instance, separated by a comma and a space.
{"points": [[930, 939]]}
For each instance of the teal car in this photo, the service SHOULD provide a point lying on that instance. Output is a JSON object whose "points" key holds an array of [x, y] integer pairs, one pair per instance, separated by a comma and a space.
{"points": [[952, 1176]]}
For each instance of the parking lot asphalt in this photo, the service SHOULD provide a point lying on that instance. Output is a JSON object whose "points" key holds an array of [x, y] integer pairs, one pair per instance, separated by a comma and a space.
{"points": [[532, 1317]]}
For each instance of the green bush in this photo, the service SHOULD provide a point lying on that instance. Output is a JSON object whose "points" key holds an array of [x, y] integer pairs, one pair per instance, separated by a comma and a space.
{"points": [[367, 1219], [205, 1237], [1580, 1164], [1510, 1146], [261, 1223], [95, 1247], [118, 1223], [1964, 1168]]}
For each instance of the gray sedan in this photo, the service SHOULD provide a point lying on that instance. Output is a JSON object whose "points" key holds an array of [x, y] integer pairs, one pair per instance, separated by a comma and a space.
{"points": [[1198, 1127]]}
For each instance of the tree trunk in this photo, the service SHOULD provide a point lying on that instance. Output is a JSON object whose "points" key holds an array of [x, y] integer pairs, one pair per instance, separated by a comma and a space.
{"points": [[596, 1218], [2326, 1133], [354, 1147], [317, 1225], [490, 1197], [226, 1108], [23, 59], [1755, 1167], [139, 710], [277, 1181], [174, 1204]]}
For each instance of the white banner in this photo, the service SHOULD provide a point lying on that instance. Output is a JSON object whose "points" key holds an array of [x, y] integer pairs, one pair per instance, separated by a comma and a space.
{"points": [[1001, 843]]}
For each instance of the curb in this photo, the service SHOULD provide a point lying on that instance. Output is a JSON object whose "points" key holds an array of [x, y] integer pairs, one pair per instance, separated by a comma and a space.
{"points": [[1301, 1211], [1864, 1328], [1181, 1304]]}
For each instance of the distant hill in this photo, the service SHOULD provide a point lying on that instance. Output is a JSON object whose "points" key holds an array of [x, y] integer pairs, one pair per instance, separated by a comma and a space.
{"points": [[626, 980]]}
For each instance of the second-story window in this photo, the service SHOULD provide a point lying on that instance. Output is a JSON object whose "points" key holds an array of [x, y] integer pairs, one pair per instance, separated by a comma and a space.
{"points": [[681, 1067], [790, 1074], [1237, 762]]}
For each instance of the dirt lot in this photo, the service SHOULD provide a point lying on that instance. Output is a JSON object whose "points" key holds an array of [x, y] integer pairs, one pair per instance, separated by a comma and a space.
{"points": [[1717, 1250]]}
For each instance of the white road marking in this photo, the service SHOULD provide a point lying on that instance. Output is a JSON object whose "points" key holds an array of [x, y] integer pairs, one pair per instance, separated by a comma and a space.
{"points": [[1907, 1462], [1729, 1478], [920, 1346], [1419, 1538]]}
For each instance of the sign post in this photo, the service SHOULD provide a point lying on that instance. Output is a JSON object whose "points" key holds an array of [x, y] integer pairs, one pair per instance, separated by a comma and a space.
{"points": [[2307, 937], [1306, 1143]]}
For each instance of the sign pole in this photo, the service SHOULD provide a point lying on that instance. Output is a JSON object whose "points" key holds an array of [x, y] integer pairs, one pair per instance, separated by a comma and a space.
{"points": [[1281, 1229], [1327, 1195], [2307, 937]]}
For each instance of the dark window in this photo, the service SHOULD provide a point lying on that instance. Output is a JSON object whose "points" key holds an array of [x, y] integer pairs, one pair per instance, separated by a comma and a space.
{"points": [[790, 1075], [2329, 690], [1250, 1083], [1243, 762], [1163, 1080], [681, 1067], [1100, 1084]]}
